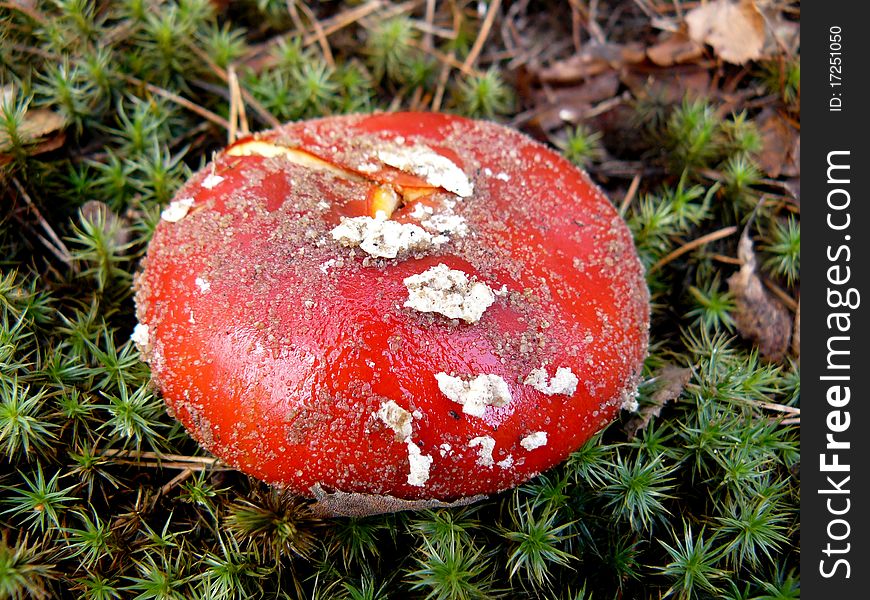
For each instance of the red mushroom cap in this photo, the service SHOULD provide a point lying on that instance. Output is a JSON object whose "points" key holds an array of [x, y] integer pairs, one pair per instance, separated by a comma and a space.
{"points": [[412, 305]]}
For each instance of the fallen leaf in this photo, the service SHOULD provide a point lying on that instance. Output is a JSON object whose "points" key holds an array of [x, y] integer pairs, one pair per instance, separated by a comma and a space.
{"points": [[760, 317], [676, 48], [669, 85], [348, 504], [735, 30], [41, 130], [671, 380], [555, 107], [780, 146], [592, 60], [782, 35]]}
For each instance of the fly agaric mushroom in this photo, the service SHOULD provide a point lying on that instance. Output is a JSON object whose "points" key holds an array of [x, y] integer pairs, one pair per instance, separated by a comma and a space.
{"points": [[392, 310]]}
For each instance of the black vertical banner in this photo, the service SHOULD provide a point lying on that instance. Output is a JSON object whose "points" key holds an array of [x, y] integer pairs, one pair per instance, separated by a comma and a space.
{"points": [[835, 300]]}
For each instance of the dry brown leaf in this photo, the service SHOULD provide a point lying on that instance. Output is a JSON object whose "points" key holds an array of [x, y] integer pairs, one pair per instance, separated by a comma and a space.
{"points": [[781, 146], [556, 107], [735, 30], [41, 129], [671, 84], [671, 380], [760, 317], [676, 48], [592, 60], [347, 504]]}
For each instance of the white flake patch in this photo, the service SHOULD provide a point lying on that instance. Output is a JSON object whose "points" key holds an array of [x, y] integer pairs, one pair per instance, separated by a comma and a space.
{"points": [[419, 463], [630, 402], [141, 336], [203, 285], [446, 223], [211, 181], [368, 167], [396, 418], [477, 394], [380, 237], [421, 210], [484, 454], [424, 162], [325, 266], [507, 463], [449, 292], [445, 449], [176, 210], [563, 382], [534, 440]]}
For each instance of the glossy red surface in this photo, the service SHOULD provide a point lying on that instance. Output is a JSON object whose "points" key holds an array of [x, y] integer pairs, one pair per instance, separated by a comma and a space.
{"points": [[276, 347]]}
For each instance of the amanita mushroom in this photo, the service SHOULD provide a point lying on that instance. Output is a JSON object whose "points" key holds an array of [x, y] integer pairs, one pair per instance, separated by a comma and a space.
{"points": [[395, 309]]}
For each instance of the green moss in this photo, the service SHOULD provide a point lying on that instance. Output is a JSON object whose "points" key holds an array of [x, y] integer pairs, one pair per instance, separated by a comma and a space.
{"points": [[702, 503]]}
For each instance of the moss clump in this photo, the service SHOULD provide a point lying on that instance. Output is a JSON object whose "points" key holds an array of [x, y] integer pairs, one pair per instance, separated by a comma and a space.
{"points": [[107, 107]]}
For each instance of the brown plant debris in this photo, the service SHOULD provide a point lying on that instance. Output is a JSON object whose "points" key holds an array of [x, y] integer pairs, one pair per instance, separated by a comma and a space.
{"points": [[671, 381], [735, 30], [760, 318], [781, 145], [346, 504]]}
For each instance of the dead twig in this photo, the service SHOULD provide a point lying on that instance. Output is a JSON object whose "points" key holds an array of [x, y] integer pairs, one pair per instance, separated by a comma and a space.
{"points": [[183, 102], [344, 19], [167, 487], [54, 244], [238, 116], [258, 108], [482, 35], [629, 195], [319, 34], [689, 246], [781, 294]]}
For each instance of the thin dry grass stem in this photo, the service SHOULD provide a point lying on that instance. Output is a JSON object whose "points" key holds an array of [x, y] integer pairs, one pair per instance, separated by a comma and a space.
{"points": [[396, 102], [232, 134], [167, 487], [441, 88], [238, 116], [54, 244], [183, 102], [342, 20], [646, 9], [780, 293], [485, 28], [156, 456], [606, 105], [696, 243], [588, 18], [398, 9], [255, 105], [629, 195], [34, 51], [429, 19], [26, 9], [791, 421], [188, 134], [416, 99], [294, 16], [444, 74], [431, 30], [447, 58], [319, 34], [776, 407], [730, 260], [576, 22]]}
